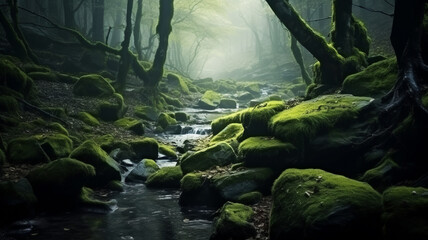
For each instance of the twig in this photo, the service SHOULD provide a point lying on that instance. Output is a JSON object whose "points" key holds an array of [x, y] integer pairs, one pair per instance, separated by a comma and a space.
{"points": [[373, 10]]}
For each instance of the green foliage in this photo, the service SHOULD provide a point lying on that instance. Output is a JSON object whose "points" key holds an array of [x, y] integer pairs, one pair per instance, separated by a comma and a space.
{"points": [[220, 154], [405, 211], [375, 81], [301, 123], [167, 177], [93, 85], [312, 202], [250, 198], [210, 100], [234, 222], [266, 152], [88, 119], [12, 77], [131, 124], [164, 120], [145, 148]]}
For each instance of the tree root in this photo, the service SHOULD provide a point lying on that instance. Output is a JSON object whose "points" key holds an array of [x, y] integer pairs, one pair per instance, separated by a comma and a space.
{"points": [[31, 106]]}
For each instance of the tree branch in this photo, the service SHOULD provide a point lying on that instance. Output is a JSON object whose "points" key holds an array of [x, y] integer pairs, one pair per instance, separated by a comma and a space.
{"points": [[373, 10]]}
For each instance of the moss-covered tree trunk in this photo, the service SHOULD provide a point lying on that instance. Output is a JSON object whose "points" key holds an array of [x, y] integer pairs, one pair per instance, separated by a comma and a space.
{"points": [[137, 29], [164, 28], [98, 20], [125, 58], [341, 34]]}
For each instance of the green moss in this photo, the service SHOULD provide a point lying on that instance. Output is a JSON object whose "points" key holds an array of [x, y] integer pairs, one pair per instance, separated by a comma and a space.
{"points": [[56, 145], [231, 133], [8, 104], [106, 168], [255, 120], [375, 81], [57, 127], [172, 101], [115, 186], [181, 116], [210, 100], [88, 119], [253, 88], [227, 103], [58, 184], [43, 76], [266, 152], [301, 123], [168, 151], [361, 39], [220, 154], [93, 85], [146, 113], [143, 170], [145, 148], [167, 177], [220, 123], [234, 222], [165, 120], [250, 198], [26, 150], [131, 124], [405, 211], [56, 111], [382, 175], [192, 182], [178, 82], [232, 185], [107, 142], [312, 202], [87, 200], [12, 77], [112, 110]]}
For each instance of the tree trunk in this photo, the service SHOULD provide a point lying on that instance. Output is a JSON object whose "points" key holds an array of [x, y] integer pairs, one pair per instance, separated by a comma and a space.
{"points": [[137, 29], [341, 35], [125, 58], [98, 20], [331, 63], [116, 35], [164, 28], [69, 14], [299, 59]]}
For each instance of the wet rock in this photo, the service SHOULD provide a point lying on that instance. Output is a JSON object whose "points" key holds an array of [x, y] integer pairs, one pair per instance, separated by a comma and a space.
{"points": [[196, 190], [245, 96], [181, 116], [227, 103], [250, 198], [166, 177], [254, 89], [145, 148], [165, 120], [173, 129], [210, 100], [131, 124], [143, 170], [146, 113]]}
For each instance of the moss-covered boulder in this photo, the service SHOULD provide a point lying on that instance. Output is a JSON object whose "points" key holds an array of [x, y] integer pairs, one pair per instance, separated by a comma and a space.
{"points": [[314, 204], [26, 150], [8, 104], [167, 177], [93, 85], [146, 112], [229, 134], [220, 123], [88, 119], [17, 200], [87, 201], [112, 109], [58, 184], [106, 168], [145, 148], [197, 190], [165, 120], [210, 100], [58, 127], [56, 145], [383, 175], [168, 151], [232, 185], [254, 89], [131, 124], [181, 116], [267, 152], [300, 124], [227, 103], [12, 77], [234, 222], [143, 170], [250, 198], [177, 82], [375, 81], [220, 154], [405, 211]]}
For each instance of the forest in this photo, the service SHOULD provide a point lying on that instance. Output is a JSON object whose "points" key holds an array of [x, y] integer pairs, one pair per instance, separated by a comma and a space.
{"points": [[213, 119]]}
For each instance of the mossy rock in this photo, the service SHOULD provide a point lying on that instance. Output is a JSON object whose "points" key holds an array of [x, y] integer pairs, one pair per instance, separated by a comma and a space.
{"points": [[146, 113], [246, 96], [220, 154], [225, 86], [115, 186], [172, 101], [87, 201], [254, 89], [314, 204], [14, 78], [9, 104], [165, 120], [56, 111], [88, 119], [250, 198], [210, 100], [267, 152], [232, 185], [106, 168], [167, 177], [230, 134], [26, 150], [178, 83], [192, 182], [58, 184], [181, 116], [145, 148], [383, 175], [220, 123], [143, 170], [112, 110], [59, 128], [17, 200], [405, 213], [227, 103], [168, 151], [375, 81], [93, 85], [107, 142], [197, 190], [300, 124], [255, 120], [131, 124], [234, 222], [56, 145]]}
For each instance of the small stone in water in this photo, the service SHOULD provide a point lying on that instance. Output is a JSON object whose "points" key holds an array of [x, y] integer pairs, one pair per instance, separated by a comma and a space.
{"points": [[414, 192], [186, 220]]}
